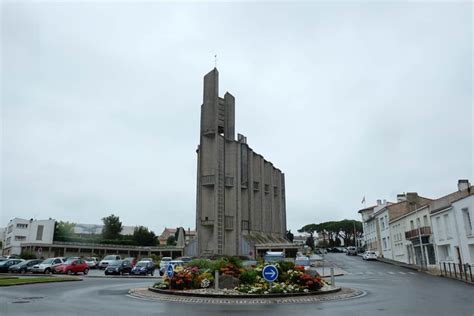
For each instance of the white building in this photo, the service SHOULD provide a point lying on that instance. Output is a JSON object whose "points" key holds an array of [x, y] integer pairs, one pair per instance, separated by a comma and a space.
{"points": [[452, 218], [407, 232], [27, 231], [371, 225]]}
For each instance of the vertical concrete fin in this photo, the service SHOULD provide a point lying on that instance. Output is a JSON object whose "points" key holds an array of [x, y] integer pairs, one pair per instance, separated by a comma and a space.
{"points": [[210, 100], [229, 122]]}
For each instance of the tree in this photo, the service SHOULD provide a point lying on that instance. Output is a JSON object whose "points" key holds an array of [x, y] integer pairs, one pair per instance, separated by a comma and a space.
{"points": [[112, 227], [171, 241], [63, 231], [143, 237], [310, 242], [310, 229]]}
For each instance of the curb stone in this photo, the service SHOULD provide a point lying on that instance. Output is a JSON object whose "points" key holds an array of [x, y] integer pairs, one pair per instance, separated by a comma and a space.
{"points": [[342, 294]]}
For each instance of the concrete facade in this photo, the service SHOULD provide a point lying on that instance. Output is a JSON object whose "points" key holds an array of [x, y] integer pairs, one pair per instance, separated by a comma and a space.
{"points": [[31, 231], [239, 192]]}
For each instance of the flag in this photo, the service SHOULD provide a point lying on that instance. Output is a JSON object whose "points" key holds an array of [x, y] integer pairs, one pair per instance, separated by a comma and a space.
{"points": [[363, 200]]}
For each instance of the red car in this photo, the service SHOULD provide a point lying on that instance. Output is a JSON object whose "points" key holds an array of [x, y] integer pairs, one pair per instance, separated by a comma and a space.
{"points": [[72, 266]]}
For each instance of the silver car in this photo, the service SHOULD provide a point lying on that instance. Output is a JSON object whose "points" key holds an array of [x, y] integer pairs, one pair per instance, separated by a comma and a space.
{"points": [[47, 266]]}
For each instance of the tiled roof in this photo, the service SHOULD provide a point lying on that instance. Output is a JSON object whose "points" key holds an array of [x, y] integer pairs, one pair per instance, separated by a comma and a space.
{"points": [[446, 200]]}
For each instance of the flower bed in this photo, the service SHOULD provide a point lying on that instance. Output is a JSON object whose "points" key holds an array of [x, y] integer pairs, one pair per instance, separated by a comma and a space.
{"points": [[199, 274]]}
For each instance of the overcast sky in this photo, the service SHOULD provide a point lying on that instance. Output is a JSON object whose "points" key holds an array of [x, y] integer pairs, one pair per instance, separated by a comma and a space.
{"points": [[101, 104]]}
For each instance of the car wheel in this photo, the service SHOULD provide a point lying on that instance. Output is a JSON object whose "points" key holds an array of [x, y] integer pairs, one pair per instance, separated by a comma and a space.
{"points": [[121, 273], [69, 272], [152, 273], [48, 271], [22, 271], [86, 271]]}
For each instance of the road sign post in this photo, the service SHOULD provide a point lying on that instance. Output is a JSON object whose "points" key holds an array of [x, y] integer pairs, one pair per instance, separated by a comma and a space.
{"points": [[170, 273], [270, 273]]}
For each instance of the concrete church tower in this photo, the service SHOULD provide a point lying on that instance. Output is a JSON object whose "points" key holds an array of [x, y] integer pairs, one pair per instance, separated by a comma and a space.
{"points": [[238, 191]]}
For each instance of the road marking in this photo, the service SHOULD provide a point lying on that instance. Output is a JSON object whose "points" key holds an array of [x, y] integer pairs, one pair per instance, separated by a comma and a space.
{"points": [[369, 272], [381, 273], [390, 272], [412, 273], [401, 272]]}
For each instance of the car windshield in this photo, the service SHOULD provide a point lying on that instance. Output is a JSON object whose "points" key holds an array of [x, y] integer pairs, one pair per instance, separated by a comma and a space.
{"points": [[302, 262], [48, 261], [115, 263], [110, 257], [69, 261], [142, 264]]}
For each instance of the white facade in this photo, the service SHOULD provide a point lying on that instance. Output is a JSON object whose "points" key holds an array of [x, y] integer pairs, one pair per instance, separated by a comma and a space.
{"points": [[385, 241], [371, 221], [453, 232], [399, 242], [20, 231]]}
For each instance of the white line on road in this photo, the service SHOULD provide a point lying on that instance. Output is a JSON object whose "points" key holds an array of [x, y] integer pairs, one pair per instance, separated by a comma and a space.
{"points": [[401, 272], [412, 272], [391, 272]]}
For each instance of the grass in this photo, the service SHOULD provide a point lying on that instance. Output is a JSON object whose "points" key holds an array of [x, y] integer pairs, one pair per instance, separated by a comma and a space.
{"points": [[32, 280]]}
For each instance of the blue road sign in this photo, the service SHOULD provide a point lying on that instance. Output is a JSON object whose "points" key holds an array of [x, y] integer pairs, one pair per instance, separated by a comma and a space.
{"points": [[170, 271], [270, 273]]}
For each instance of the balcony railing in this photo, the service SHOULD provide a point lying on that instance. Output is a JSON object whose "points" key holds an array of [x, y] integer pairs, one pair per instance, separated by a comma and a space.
{"points": [[424, 231]]}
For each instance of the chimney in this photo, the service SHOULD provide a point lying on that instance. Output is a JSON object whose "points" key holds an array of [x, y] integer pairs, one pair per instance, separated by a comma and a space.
{"points": [[401, 197], [379, 202], [463, 184]]}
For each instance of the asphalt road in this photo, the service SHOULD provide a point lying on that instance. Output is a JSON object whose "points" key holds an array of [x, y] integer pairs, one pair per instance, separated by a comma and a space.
{"points": [[390, 290]]}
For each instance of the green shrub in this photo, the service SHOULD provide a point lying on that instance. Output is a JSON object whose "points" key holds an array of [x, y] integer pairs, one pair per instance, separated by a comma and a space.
{"points": [[202, 264], [27, 255], [248, 276], [286, 265], [236, 261]]}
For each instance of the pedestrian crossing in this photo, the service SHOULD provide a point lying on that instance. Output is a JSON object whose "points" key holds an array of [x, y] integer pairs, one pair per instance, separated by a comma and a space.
{"points": [[381, 273]]}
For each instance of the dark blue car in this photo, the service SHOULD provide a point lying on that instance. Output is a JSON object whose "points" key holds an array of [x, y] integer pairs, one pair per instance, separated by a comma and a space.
{"points": [[143, 268]]}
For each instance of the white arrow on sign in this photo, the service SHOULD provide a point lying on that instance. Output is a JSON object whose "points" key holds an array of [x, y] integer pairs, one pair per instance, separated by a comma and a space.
{"points": [[271, 273]]}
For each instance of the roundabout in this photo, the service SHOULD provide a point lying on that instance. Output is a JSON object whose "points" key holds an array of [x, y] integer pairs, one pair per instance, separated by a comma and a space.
{"points": [[330, 294]]}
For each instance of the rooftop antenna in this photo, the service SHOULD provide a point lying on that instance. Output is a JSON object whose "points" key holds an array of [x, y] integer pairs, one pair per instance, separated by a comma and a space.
{"points": [[215, 61]]}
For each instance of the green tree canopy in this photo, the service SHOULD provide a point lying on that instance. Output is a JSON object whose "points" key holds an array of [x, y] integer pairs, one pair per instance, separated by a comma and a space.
{"points": [[63, 230], [171, 241], [310, 229], [143, 237], [112, 227], [334, 231]]}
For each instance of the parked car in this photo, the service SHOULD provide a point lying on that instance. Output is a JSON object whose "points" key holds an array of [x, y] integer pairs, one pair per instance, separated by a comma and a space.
{"points": [[143, 268], [118, 267], [6, 264], [185, 259], [148, 259], [164, 263], [24, 266], [351, 251], [92, 262], [369, 255], [107, 260], [274, 256], [132, 260], [47, 265], [304, 262], [72, 266]]}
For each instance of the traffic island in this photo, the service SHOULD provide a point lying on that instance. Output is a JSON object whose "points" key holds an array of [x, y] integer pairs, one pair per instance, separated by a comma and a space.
{"points": [[234, 297]]}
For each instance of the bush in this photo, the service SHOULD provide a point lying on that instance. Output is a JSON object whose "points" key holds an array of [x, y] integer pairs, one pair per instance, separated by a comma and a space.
{"points": [[286, 265], [27, 255], [248, 276]]}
